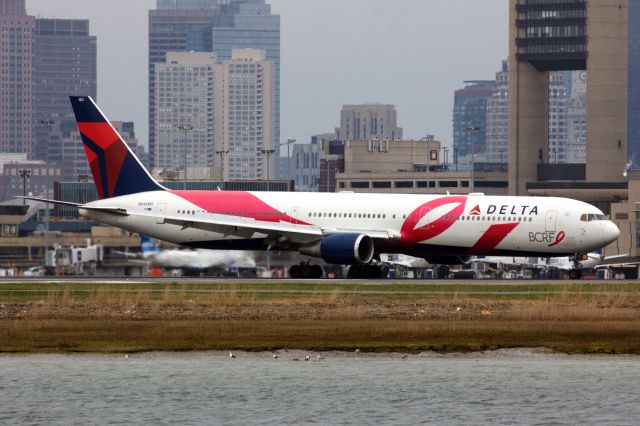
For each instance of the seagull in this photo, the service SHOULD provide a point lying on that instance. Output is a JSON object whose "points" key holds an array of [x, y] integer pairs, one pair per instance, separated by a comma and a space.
{"points": [[126, 356], [306, 358], [357, 351], [231, 355], [275, 356]]}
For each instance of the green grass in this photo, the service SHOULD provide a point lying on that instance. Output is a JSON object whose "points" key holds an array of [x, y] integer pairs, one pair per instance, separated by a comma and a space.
{"points": [[276, 290]]}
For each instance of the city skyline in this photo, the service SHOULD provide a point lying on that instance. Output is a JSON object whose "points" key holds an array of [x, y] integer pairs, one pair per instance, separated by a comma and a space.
{"points": [[413, 43]]}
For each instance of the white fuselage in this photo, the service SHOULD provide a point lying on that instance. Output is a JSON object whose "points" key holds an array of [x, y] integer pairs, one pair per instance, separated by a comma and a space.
{"points": [[417, 224]]}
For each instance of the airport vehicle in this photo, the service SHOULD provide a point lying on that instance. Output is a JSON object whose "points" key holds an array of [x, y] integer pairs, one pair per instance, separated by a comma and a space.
{"points": [[340, 228], [571, 265]]}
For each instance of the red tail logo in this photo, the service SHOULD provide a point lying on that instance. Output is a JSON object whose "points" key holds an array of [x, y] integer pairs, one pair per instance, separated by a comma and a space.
{"points": [[475, 211]]}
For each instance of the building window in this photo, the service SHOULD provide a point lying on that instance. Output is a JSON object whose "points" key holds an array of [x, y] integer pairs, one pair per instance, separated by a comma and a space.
{"points": [[359, 185], [382, 184]]}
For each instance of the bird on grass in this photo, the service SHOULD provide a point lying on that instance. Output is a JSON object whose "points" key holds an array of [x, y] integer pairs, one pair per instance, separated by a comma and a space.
{"points": [[231, 355]]}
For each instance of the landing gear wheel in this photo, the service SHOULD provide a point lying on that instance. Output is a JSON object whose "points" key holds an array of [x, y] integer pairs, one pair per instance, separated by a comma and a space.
{"points": [[575, 274], [295, 272], [317, 271], [372, 272]]}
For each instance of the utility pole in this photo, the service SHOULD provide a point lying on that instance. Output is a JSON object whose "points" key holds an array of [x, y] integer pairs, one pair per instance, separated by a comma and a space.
{"points": [[186, 128], [268, 153], [24, 174], [47, 123], [472, 130], [222, 153]]}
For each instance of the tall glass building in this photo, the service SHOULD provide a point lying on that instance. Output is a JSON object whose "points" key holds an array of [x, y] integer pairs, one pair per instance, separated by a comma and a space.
{"points": [[469, 119], [249, 24], [188, 4]]}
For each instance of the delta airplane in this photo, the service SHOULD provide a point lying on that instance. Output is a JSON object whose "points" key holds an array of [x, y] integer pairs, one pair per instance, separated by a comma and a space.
{"points": [[339, 228]]}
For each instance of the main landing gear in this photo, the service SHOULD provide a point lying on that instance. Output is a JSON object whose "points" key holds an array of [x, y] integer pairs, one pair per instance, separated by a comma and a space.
{"points": [[307, 271], [304, 270]]}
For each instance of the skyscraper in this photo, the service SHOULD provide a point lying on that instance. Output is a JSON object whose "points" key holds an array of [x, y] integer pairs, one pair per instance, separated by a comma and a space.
{"points": [[368, 121], [188, 4], [497, 133], [174, 30], [469, 118], [65, 64], [245, 116], [16, 68], [249, 24], [184, 119]]}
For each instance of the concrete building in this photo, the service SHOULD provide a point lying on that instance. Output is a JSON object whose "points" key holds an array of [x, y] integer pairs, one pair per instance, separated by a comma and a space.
{"points": [[470, 112], [599, 37], [245, 117], [65, 64], [368, 121], [306, 163], [18, 86], [174, 30], [184, 108], [412, 167], [13, 181], [250, 24]]}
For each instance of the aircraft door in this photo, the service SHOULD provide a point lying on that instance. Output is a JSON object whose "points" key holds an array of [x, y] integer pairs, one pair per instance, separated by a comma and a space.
{"points": [[162, 211], [552, 218]]}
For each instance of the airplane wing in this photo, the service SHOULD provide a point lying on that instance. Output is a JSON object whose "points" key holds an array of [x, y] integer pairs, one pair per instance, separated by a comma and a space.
{"points": [[245, 227], [118, 211]]}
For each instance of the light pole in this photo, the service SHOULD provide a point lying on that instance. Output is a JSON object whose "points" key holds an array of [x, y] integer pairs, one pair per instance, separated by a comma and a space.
{"points": [[472, 130], [222, 153], [268, 153], [446, 157], [186, 128], [47, 123], [501, 163], [24, 174], [288, 143]]}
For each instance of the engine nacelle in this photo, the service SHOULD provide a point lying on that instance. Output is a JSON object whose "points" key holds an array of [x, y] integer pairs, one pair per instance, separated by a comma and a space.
{"points": [[342, 249], [448, 260]]}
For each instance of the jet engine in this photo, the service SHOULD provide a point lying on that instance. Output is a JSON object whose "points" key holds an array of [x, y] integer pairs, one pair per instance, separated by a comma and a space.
{"points": [[342, 249], [448, 260]]}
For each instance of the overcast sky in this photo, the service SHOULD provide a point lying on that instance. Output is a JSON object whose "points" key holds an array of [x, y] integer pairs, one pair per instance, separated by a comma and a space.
{"points": [[411, 53]]}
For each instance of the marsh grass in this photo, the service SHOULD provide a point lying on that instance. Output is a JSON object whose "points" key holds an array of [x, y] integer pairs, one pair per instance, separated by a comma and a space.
{"points": [[178, 317]]}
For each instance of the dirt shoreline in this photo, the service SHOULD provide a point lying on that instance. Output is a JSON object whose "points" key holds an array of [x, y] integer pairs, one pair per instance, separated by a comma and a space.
{"points": [[580, 325]]}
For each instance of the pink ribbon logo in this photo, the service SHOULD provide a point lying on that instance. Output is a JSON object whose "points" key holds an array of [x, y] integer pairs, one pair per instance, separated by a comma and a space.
{"points": [[559, 239]]}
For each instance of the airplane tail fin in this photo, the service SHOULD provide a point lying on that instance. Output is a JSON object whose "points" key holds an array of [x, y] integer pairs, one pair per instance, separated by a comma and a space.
{"points": [[115, 168]]}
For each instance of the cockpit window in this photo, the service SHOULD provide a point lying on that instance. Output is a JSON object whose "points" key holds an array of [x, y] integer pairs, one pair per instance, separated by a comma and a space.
{"points": [[590, 217]]}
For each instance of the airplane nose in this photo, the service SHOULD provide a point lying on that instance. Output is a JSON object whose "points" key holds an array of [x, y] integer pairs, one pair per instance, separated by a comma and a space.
{"points": [[610, 232]]}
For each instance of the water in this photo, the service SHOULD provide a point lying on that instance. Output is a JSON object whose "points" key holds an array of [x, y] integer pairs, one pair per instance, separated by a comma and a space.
{"points": [[504, 387]]}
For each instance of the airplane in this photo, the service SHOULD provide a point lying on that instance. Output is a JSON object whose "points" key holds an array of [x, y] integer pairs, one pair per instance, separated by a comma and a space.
{"points": [[152, 253], [340, 228]]}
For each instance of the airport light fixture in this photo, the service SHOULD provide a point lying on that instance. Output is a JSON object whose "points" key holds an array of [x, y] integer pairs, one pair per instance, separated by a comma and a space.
{"points": [[24, 174], [185, 128], [473, 130], [48, 123], [222, 153], [268, 153]]}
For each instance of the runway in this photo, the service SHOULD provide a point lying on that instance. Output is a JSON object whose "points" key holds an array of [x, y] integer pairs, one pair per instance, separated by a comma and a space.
{"points": [[311, 282]]}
